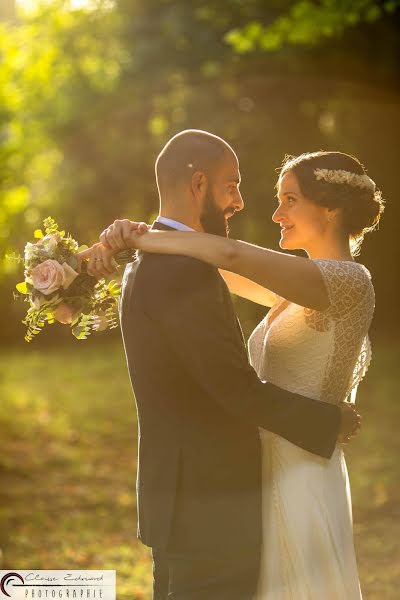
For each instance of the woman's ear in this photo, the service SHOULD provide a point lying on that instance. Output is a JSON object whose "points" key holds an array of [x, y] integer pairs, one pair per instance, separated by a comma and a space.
{"points": [[199, 184], [334, 214]]}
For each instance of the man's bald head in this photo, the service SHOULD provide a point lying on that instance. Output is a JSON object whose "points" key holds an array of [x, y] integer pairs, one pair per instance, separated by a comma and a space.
{"points": [[187, 152]]}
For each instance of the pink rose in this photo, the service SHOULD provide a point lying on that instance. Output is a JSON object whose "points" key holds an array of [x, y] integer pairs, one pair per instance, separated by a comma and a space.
{"points": [[100, 322], [64, 314], [49, 276]]}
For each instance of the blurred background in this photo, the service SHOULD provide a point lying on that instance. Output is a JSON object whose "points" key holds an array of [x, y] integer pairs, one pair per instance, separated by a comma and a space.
{"points": [[90, 91]]}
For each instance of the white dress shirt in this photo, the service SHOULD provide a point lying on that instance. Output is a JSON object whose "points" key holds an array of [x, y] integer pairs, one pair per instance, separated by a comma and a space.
{"points": [[173, 224]]}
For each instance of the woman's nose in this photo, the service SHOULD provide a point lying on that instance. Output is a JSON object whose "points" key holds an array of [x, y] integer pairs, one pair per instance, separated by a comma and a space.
{"points": [[277, 216]]}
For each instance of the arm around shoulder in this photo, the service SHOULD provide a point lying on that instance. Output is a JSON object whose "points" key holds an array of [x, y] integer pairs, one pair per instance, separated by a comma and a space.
{"points": [[191, 310]]}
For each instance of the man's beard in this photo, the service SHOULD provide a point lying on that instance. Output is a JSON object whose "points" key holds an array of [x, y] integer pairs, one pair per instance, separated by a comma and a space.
{"points": [[212, 218]]}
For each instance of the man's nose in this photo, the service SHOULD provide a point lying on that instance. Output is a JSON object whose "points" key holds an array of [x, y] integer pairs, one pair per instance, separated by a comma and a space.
{"points": [[239, 204]]}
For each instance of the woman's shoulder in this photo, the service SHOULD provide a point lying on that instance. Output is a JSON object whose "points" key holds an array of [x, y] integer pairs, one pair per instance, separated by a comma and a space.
{"points": [[342, 268], [348, 283], [338, 262]]}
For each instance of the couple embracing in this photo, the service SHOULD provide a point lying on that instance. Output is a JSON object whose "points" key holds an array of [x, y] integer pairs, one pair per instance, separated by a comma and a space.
{"points": [[242, 485]]}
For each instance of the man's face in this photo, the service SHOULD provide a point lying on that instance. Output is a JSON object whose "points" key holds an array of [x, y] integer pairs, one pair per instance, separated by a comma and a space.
{"points": [[222, 198]]}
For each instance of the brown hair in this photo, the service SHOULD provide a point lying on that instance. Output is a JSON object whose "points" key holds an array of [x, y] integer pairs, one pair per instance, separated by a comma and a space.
{"points": [[362, 207]]}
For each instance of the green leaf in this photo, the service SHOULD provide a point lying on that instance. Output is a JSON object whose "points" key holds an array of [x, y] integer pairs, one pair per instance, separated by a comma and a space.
{"points": [[114, 285], [38, 234], [80, 333], [22, 288]]}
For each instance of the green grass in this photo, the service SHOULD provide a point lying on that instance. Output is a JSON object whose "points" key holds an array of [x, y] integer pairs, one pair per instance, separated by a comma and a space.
{"points": [[68, 460]]}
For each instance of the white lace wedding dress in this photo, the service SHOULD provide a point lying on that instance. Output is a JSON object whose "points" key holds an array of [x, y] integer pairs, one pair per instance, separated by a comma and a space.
{"points": [[308, 551]]}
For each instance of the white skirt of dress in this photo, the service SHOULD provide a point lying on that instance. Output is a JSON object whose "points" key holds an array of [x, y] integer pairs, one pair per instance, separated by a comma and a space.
{"points": [[308, 549]]}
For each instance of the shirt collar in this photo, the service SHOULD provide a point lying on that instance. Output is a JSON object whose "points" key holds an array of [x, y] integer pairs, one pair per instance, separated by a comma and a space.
{"points": [[174, 224]]}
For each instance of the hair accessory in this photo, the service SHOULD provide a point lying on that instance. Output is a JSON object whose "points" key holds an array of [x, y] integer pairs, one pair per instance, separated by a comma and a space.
{"points": [[339, 176]]}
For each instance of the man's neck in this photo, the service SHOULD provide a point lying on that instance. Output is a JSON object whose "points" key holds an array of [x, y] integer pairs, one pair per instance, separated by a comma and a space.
{"points": [[184, 218]]}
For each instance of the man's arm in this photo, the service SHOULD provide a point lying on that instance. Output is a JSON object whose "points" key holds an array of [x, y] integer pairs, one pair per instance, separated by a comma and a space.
{"points": [[190, 311]]}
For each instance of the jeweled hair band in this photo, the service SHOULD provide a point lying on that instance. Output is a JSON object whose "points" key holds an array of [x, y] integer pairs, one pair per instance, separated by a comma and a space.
{"points": [[339, 176]]}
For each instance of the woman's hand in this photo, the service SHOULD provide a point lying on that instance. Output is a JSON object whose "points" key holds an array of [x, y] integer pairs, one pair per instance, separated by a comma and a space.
{"points": [[123, 234], [351, 422], [100, 261]]}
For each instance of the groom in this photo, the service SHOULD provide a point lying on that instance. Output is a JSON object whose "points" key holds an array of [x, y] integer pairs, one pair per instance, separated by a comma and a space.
{"points": [[199, 401]]}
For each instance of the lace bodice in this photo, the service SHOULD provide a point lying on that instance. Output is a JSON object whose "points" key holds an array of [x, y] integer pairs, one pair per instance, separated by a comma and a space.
{"points": [[320, 354]]}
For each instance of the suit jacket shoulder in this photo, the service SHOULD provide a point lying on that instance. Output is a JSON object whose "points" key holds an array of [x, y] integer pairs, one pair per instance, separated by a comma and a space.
{"points": [[169, 277]]}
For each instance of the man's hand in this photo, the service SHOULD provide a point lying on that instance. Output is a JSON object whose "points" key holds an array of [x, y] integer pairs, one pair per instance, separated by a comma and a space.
{"points": [[101, 262], [122, 234], [351, 422]]}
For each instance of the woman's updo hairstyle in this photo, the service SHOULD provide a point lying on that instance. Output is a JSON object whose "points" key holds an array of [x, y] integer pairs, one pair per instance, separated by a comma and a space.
{"points": [[348, 187]]}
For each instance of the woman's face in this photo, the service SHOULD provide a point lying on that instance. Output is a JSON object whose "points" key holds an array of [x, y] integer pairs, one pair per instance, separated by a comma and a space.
{"points": [[303, 223]]}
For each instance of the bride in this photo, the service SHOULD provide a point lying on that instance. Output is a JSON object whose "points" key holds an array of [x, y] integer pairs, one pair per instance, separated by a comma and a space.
{"points": [[313, 345]]}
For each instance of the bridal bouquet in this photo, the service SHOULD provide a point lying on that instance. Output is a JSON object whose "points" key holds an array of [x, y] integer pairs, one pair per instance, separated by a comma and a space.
{"points": [[58, 289]]}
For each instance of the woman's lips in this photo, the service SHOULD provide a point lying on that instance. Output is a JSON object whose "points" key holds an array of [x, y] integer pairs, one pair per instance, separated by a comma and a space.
{"points": [[286, 228]]}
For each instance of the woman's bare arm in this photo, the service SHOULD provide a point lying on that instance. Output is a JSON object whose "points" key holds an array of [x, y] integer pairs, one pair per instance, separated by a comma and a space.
{"points": [[295, 278], [245, 288]]}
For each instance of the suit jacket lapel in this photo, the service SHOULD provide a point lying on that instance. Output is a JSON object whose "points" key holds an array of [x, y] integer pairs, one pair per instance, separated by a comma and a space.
{"points": [[162, 226], [230, 307]]}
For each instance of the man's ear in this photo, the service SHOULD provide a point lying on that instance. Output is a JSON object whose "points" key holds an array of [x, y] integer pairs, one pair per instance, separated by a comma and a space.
{"points": [[199, 184]]}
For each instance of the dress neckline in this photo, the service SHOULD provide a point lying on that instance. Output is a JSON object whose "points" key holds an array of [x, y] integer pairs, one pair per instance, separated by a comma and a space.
{"points": [[275, 309]]}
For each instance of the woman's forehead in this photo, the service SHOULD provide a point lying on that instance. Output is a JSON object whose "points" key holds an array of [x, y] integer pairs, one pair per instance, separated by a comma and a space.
{"points": [[289, 183]]}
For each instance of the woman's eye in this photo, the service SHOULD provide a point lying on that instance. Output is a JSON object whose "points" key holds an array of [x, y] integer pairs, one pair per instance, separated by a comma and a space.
{"points": [[291, 199]]}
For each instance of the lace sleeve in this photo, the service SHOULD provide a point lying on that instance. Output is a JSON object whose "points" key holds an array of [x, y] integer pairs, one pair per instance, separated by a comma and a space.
{"points": [[348, 285], [360, 368]]}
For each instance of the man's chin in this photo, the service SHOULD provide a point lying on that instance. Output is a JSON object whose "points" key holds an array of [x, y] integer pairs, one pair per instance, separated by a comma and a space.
{"points": [[222, 231], [215, 223]]}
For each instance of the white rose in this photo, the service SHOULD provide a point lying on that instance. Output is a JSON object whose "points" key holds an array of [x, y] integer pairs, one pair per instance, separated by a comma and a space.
{"points": [[50, 242], [29, 250]]}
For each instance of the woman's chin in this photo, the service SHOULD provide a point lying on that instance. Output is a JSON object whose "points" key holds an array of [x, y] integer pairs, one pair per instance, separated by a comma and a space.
{"points": [[283, 242], [286, 244]]}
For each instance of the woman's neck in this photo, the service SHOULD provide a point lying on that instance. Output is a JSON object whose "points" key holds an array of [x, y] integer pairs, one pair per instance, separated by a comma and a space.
{"points": [[335, 251]]}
